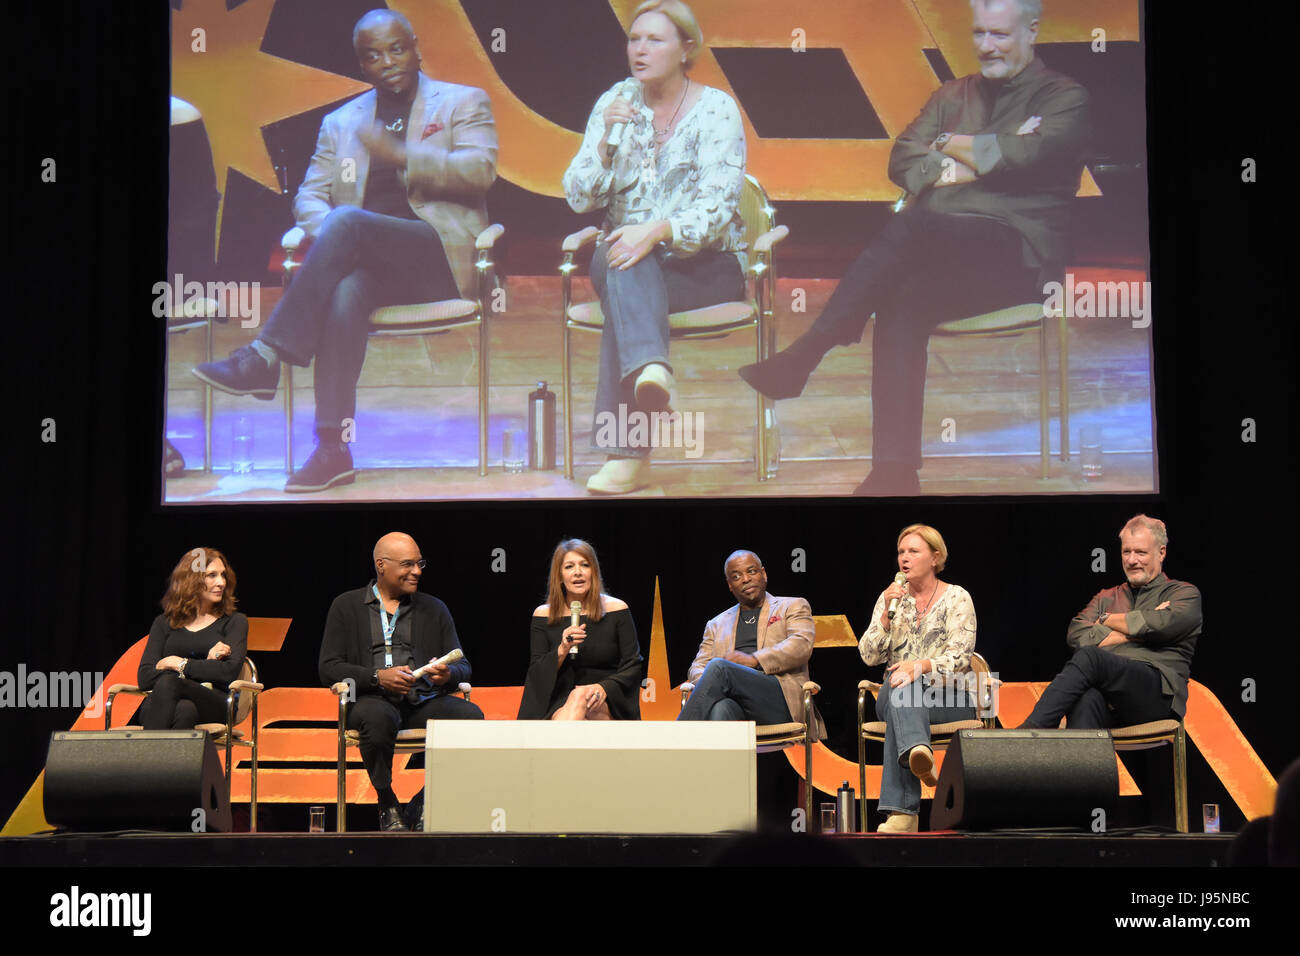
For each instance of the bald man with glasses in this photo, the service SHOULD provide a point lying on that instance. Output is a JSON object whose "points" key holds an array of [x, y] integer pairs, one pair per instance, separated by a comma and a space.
{"points": [[376, 637]]}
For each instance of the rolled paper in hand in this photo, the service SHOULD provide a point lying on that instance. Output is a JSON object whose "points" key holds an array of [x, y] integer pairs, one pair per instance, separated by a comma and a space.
{"points": [[450, 657]]}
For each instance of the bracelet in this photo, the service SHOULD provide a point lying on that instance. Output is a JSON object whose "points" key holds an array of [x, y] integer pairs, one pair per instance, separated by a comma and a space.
{"points": [[181, 670]]}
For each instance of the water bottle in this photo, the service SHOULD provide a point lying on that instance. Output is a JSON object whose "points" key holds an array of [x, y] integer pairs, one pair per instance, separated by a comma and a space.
{"points": [[847, 822], [241, 446], [541, 429], [773, 442]]}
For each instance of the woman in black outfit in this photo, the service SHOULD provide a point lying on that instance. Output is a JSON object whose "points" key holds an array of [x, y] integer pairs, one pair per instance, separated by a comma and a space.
{"points": [[591, 671], [198, 637]]}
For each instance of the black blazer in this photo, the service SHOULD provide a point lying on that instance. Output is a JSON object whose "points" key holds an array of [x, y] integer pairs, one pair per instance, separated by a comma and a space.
{"points": [[345, 650]]}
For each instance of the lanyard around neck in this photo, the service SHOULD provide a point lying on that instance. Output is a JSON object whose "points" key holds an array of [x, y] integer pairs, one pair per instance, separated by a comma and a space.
{"points": [[388, 624]]}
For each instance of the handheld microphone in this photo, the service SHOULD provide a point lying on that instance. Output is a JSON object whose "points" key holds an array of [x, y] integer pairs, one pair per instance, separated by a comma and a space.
{"points": [[450, 657], [575, 616], [900, 579], [627, 92]]}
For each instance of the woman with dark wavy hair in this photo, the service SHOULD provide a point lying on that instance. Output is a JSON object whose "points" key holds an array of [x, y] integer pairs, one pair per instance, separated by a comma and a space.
{"points": [[587, 671], [199, 637]]}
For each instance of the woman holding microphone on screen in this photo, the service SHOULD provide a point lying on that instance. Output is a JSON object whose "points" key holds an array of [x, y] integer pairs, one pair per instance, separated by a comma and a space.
{"points": [[664, 156], [586, 663], [924, 630]]}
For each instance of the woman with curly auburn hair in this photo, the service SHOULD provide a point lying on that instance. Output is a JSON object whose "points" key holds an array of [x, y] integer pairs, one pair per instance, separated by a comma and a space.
{"points": [[585, 671], [198, 638]]}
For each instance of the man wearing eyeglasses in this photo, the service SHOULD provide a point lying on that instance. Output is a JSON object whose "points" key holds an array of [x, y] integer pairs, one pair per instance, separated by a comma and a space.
{"points": [[375, 638]]}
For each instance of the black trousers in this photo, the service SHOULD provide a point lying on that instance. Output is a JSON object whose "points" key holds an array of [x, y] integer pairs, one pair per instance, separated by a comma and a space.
{"points": [[1098, 689], [179, 704], [378, 720], [922, 269]]}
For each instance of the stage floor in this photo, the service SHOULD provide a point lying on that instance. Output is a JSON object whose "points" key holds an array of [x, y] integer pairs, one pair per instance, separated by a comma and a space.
{"points": [[1021, 849]]}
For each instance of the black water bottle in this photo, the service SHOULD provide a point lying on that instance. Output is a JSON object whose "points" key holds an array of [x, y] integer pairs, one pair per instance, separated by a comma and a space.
{"points": [[541, 429]]}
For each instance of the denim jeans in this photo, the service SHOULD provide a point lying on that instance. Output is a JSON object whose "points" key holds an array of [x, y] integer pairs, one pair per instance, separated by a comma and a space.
{"points": [[907, 718], [636, 303], [359, 262], [921, 270], [731, 691]]}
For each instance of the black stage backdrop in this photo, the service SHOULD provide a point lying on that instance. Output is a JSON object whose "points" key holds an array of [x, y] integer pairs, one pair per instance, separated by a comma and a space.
{"points": [[91, 547]]}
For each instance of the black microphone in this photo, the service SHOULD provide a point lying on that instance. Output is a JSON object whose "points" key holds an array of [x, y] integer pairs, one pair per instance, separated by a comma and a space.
{"points": [[575, 616], [901, 580], [627, 92]]}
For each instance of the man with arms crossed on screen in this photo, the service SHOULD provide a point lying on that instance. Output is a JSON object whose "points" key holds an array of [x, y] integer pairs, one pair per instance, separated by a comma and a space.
{"points": [[753, 661], [393, 200], [375, 637], [992, 163], [1133, 644]]}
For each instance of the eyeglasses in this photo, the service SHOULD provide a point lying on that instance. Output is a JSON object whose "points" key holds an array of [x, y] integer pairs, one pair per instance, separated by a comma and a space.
{"points": [[407, 564]]}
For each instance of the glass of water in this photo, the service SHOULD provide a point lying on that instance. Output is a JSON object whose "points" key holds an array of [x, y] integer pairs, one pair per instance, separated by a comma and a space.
{"points": [[514, 448]]}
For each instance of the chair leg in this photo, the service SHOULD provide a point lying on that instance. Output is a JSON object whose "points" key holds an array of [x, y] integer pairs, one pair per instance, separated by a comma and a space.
{"points": [[1063, 335], [482, 392], [207, 407], [862, 767], [288, 416], [252, 780], [760, 417], [1044, 434], [341, 823], [1180, 779], [566, 381], [807, 776]]}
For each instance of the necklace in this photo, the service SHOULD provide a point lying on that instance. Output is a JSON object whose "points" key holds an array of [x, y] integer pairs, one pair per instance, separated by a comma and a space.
{"points": [[396, 126], [661, 135], [751, 619], [928, 604]]}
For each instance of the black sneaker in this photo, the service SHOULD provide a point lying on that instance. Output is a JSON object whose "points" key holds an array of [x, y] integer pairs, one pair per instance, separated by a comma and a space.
{"points": [[245, 372], [329, 465]]}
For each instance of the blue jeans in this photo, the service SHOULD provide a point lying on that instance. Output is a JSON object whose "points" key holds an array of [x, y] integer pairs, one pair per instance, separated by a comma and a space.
{"points": [[730, 691], [907, 724], [636, 303], [359, 262]]}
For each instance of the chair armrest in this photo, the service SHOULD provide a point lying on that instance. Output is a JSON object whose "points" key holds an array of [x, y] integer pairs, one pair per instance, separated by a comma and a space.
{"points": [[125, 689], [464, 687], [292, 239], [812, 686], [687, 688], [247, 685], [869, 685], [488, 237], [341, 688], [764, 243], [575, 241]]}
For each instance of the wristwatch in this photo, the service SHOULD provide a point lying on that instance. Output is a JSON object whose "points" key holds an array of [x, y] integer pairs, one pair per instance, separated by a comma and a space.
{"points": [[374, 679], [942, 140]]}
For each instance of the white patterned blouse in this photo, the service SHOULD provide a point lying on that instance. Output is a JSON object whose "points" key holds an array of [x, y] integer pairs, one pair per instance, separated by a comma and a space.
{"points": [[694, 180], [946, 634]]}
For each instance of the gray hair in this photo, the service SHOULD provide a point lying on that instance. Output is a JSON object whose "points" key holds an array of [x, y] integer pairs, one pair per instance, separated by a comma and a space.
{"points": [[1030, 10], [1154, 525], [374, 18]]}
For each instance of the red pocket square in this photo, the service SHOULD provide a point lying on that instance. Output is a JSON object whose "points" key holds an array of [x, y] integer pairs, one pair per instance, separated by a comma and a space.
{"points": [[774, 618], [430, 130]]}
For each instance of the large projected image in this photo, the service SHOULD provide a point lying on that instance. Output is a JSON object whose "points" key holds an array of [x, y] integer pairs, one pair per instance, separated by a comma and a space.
{"points": [[482, 249]]}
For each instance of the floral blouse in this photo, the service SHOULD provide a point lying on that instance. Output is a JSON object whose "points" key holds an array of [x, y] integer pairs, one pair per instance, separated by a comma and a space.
{"points": [[946, 635], [694, 180]]}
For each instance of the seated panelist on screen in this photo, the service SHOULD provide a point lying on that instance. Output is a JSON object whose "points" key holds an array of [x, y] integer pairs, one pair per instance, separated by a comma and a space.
{"points": [[198, 638], [923, 629], [992, 164], [673, 236], [393, 201], [588, 670]]}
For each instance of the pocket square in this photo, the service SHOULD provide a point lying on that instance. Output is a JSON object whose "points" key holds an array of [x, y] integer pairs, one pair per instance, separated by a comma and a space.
{"points": [[774, 618], [430, 130]]}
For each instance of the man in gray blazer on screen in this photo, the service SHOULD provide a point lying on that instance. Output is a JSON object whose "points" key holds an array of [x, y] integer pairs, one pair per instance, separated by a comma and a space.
{"points": [[393, 200]]}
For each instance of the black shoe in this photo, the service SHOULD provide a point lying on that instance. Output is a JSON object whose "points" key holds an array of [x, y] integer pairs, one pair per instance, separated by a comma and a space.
{"points": [[390, 820], [890, 480], [245, 372], [414, 813], [785, 374], [329, 465]]}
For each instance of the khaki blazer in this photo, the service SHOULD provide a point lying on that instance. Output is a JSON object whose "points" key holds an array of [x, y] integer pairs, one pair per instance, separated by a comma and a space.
{"points": [[451, 158], [785, 643]]}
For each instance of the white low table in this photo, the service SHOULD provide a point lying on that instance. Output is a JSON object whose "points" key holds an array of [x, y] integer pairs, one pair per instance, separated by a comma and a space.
{"points": [[541, 776]]}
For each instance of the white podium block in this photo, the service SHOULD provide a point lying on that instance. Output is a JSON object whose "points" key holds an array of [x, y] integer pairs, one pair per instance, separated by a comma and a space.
{"points": [[621, 776]]}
